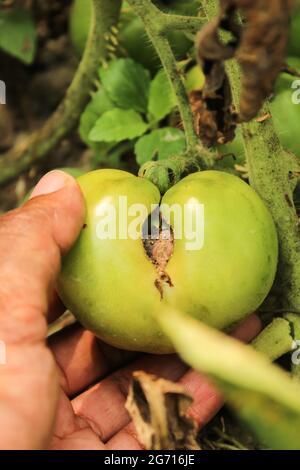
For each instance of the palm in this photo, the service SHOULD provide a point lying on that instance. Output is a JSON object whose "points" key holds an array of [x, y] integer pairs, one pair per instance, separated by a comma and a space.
{"points": [[94, 416]]}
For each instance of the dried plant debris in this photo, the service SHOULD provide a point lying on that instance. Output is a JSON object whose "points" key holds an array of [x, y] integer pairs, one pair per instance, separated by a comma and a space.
{"points": [[158, 408], [158, 241], [214, 116], [259, 43]]}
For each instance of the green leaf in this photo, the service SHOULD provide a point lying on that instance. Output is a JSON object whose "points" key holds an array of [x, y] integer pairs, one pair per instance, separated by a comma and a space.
{"points": [[18, 34], [161, 98], [262, 394], [127, 84], [160, 144], [99, 104], [117, 125]]}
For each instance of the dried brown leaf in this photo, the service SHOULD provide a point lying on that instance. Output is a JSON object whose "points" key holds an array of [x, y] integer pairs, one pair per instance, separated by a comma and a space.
{"points": [[158, 408], [259, 43]]}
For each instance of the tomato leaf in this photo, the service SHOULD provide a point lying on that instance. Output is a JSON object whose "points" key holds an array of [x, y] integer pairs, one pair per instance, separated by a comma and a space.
{"points": [[263, 395], [127, 84], [160, 144], [99, 104], [18, 34], [161, 97], [117, 125]]}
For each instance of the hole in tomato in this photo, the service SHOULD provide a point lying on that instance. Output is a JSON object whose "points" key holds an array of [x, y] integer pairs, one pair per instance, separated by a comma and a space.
{"points": [[158, 242]]}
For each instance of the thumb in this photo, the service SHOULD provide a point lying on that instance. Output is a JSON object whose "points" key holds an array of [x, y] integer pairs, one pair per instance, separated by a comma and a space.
{"points": [[32, 240]]}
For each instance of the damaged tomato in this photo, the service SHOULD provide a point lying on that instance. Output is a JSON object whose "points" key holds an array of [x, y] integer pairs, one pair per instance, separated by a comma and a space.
{"points": [[213, 255]]}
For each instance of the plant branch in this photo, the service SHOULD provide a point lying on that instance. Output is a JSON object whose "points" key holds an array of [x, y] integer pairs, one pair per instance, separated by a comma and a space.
{"points": [[157, 24], [153, 20], [191, 24], [275, 340], [64, 119]]}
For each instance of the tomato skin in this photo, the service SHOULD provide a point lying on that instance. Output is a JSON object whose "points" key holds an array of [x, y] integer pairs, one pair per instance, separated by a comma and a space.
{"points": [[110, 284], [286, 112], [286, 117], [232, 153], [195, 79]]}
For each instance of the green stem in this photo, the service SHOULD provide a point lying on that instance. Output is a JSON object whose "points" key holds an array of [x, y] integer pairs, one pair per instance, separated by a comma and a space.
{"points": [[65, 118], [271, 175], [191, 24], [275, 340], [155, 21]]}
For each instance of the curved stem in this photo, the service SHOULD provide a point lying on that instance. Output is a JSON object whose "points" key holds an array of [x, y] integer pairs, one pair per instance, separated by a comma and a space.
{"points": [[191, 24], [155, 24], [38, 145]]}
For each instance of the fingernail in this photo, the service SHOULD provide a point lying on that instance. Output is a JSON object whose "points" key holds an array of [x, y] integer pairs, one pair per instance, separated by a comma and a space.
{"points": [[52, 182]]}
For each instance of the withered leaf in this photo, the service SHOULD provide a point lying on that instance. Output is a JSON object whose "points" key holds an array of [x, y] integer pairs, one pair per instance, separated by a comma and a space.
{"points": [[262, 50], [158, 408], [259, 43], [214, 116]]}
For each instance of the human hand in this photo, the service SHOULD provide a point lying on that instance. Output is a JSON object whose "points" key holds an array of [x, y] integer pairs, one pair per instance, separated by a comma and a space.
{"points": [[46, 398]]}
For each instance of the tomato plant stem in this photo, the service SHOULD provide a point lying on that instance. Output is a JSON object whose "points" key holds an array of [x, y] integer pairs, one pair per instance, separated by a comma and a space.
{"points": [[157, 25], [190, 24], [275, 340], [151, 16], [64, 119]]}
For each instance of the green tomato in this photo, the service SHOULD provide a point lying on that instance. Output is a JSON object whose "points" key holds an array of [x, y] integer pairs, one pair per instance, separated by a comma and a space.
{"points": [[195, 79], [285, 108], [133, 39], [111, 284], [233, 152]]}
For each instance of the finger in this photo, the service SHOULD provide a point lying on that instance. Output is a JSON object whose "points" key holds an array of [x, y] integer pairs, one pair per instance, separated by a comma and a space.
{"points": [[207, 399], [249, 329], [69, 432], [32, 240], [103, 405], [83, 359], [126, 439]]}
